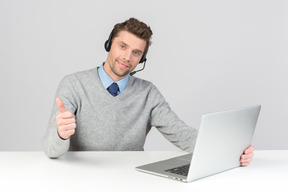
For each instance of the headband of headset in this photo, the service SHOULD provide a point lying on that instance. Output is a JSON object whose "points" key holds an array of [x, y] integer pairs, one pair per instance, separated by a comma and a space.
{"points": [[108, 44]]}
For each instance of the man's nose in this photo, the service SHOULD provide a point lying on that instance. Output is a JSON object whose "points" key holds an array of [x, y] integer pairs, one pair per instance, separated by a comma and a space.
{"points": [[127, 55]]}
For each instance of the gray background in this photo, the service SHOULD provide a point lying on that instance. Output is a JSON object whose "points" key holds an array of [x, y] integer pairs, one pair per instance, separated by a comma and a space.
{"points": [[206, 56]]}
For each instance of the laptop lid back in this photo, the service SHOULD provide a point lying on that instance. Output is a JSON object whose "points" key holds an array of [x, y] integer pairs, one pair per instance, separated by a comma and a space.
{"points": [[222, 138]]}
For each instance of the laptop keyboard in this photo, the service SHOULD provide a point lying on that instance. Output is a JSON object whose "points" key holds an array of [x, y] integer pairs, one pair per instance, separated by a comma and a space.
{"points": [[182, 170]]}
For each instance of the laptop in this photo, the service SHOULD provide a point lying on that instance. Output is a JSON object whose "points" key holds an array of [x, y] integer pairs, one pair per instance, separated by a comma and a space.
{"points": [[221, 140]]}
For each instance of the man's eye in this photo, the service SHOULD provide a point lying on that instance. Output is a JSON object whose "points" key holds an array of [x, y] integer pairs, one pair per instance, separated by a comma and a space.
{"points": [[122, 46], [136, 53]]}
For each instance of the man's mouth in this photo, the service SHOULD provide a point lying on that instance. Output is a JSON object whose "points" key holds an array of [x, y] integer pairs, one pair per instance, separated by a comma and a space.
{"points": [[123, 65]]}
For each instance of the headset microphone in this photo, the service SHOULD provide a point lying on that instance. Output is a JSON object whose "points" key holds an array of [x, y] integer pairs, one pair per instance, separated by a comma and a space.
{"points": [[133, 72]]}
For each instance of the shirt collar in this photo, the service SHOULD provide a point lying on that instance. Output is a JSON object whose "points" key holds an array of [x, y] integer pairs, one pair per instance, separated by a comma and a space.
{"points": [[107, 81]]}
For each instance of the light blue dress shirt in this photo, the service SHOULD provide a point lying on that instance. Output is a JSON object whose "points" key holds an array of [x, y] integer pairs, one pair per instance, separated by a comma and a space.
{"points": [[107, 81]]}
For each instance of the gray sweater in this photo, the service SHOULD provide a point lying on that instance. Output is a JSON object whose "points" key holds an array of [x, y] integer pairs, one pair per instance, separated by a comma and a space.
{"points": [[107, 123]]}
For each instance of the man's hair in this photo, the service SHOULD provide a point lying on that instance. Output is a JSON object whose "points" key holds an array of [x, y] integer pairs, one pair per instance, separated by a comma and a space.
{"points": [[135, 27]]}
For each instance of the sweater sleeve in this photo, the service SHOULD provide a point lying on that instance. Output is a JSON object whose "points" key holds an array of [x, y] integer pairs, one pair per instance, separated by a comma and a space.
{"points": [[169, 124], [52, 145]]}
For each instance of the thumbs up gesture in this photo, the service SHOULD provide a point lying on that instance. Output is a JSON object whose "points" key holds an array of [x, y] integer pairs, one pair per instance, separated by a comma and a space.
{"points": [[66, 123]]}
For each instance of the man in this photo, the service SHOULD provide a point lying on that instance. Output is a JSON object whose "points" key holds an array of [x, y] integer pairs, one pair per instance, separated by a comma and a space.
{"points": [[113, 110]]}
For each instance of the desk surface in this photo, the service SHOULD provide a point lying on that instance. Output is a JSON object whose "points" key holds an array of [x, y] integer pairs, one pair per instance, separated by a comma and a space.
{"points": [[115, 171]]}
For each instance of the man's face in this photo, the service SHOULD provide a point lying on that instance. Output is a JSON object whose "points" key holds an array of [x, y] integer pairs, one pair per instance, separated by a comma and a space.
{"points": [[124, 55]]}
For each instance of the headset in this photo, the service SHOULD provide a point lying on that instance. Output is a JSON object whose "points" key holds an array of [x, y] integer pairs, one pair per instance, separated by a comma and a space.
{"points": [[107, 47]]}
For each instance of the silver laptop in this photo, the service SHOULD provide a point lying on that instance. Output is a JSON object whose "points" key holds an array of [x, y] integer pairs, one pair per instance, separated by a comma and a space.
{"points": [[222, 138]]}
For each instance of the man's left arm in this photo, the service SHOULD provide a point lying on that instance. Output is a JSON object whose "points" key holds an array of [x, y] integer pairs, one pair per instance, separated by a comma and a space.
{"points": [[177, 132], [169, 124]]}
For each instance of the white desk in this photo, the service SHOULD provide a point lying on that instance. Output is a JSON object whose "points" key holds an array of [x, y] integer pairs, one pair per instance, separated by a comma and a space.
{"points": [[114, 171]]}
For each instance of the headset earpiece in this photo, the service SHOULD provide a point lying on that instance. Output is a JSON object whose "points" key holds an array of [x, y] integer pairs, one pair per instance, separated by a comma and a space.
{"points": [[108, 43], [143, 59]]}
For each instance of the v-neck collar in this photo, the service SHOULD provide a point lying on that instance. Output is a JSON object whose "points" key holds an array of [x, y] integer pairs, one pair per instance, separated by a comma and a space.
{"points": [[107, 81], [106, 93]]}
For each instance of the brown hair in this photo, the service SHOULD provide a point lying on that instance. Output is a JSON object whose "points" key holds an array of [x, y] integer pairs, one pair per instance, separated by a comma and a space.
{"points": [[135, 27]]}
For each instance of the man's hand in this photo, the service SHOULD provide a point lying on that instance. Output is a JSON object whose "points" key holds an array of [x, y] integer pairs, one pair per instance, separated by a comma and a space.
{"points": [[65, 121], [246, 158]]}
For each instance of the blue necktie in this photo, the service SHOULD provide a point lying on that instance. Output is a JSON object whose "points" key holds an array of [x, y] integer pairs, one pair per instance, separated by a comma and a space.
{"points": [[113, 89]]}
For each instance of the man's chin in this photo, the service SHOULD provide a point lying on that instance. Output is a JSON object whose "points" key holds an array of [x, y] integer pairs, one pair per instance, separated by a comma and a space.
{"points": [[121, 74]]}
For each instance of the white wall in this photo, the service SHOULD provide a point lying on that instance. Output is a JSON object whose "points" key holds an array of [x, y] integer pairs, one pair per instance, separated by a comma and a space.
{"points": [[206, 56]]}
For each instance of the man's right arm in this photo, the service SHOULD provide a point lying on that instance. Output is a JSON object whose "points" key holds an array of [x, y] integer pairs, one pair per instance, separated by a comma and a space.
{"points": [[62, 122]]}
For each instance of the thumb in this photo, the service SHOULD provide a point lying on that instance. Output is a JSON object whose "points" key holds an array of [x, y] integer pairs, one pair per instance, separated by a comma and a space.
{"points": [[60, 105]]}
